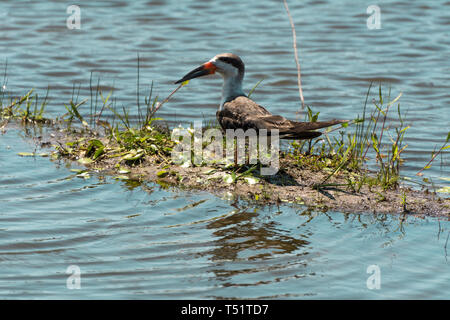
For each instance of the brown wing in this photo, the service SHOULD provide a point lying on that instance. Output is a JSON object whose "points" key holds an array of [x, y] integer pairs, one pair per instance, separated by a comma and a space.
{"points": [[243, 113], [235, 113]]}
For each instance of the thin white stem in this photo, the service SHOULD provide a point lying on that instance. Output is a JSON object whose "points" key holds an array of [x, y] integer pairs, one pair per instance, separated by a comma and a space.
{"points": [[294, 39]]}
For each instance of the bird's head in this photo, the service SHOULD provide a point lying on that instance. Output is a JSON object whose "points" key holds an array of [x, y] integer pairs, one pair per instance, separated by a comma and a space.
{"points": [[226, 64]]}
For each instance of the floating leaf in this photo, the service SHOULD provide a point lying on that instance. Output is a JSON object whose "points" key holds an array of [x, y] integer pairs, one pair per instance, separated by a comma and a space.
{"points": [[133, 215], [32, 154], [85, 160], [210, 171], [133, 155], [251, 180], [228, 196], [122, 177], [78, 170], [95, 149], [54, 156], [229, 165], [444, 190], [84, 175], [162, 174], [186, 164], [227, 178]]}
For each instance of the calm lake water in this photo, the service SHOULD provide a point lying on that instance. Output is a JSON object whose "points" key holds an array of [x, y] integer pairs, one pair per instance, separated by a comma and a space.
{"points": [[146, 242]]}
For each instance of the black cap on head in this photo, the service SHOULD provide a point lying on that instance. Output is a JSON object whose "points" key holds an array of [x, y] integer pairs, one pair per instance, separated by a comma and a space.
{"points": [[232, 59]]}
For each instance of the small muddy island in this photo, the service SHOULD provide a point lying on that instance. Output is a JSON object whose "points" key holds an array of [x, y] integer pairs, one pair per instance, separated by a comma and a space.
{"points": [[344, 191], [329, 173]]}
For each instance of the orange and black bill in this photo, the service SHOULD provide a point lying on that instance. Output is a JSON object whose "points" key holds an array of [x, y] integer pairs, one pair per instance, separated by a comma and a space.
{"points": [[203, 70]]}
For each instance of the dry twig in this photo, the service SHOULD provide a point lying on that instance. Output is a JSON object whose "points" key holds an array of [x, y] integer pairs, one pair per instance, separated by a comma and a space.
{"points": [[294, 40]]}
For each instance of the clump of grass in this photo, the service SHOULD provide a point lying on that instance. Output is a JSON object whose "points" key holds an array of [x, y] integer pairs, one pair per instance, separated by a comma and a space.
{"points": [[149, 138], [27, 108], [435, 153], [72, 112], [123, 139], [349, 152]]}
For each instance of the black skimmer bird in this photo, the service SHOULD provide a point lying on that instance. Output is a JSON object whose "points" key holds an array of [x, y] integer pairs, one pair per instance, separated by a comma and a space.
{"points": [[237, 111]]}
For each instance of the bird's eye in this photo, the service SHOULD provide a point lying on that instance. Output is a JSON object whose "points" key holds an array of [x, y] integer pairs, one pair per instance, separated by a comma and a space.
{"points": [[225, 59], [232, 62]]}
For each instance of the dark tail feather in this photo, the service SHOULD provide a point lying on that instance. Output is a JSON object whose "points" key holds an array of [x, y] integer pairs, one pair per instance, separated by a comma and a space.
{"points": [[305, 126], [305, 135], [302, 130]]}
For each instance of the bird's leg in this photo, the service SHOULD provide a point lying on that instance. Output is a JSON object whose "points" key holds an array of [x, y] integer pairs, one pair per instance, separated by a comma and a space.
{"points": [[247, 153], [235, 155], [237, 166]]}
